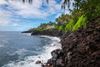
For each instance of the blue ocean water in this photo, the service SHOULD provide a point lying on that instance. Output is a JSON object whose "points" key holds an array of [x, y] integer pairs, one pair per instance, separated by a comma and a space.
{"points": [[23, 50], [15, 46]]}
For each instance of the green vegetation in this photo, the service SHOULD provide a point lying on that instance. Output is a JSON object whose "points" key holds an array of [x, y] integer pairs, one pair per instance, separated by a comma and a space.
{"points": [[43, 26], [83, 11], [72, 25], [82, 21], [69, 26]]}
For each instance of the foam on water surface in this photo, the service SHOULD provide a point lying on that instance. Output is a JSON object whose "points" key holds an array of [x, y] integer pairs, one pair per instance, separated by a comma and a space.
{"points": [[30, 61]]}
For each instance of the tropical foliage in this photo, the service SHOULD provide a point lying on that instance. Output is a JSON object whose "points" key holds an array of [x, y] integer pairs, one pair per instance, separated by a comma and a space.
{"points": [[72, 25], [43, 26], [82, 12], [82, 21]]}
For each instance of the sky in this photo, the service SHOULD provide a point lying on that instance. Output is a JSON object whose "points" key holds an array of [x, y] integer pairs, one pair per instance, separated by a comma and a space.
{"points": [[18, 16]]}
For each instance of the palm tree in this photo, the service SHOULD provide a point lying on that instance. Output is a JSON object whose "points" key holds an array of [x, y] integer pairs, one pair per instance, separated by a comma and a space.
{"points": [[29, 1], [63, 5]]}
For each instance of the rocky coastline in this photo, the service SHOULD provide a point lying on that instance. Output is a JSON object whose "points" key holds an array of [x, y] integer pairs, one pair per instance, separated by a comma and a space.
{"points": [[79, 49], [48, 32]]}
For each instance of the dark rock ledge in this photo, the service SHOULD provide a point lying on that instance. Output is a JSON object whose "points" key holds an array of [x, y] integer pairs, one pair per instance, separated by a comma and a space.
{"points": [[79, 49], [49, 32]]}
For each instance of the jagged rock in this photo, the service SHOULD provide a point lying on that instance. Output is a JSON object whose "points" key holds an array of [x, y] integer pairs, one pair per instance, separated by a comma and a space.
{"points": [[57, 53], [79, 49], [38, 62], [82, 48], [56, 60]]}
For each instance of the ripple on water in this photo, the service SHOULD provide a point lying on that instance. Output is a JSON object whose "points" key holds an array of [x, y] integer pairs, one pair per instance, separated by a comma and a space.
{"points": [[44, 56]]}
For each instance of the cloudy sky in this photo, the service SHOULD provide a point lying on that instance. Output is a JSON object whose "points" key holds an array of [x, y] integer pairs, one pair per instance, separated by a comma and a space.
{"points": [[18, 16]]}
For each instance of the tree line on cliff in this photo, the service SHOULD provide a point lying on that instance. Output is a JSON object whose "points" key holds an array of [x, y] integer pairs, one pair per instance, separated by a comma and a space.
{"points": [[82, 13]]}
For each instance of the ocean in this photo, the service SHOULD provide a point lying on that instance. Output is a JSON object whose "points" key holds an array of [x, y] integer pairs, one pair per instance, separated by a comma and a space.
{"points": [[23, 50]]}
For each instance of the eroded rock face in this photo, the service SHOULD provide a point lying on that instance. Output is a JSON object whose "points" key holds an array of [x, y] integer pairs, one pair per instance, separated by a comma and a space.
{"points": [[38, 62], [79, 49], [56, 60], [82, 48]]}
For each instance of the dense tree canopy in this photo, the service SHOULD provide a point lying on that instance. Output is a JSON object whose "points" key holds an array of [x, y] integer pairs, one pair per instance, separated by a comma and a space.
{"points": [[83, 11], [91, 8]]}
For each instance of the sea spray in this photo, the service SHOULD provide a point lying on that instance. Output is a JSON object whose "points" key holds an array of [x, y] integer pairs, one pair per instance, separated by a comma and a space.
{"points": [[30, 61]]}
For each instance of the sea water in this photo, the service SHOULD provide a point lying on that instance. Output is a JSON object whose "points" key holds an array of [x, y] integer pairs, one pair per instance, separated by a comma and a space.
{"points": [[23, 50]]}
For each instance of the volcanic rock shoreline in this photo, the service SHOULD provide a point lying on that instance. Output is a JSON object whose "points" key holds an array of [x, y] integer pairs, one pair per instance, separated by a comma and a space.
{"points": [[49, 32], [79, 49], [82, 48]]}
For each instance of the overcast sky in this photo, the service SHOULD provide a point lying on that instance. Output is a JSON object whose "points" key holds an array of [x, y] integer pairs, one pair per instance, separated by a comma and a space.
{"points": [[18, 16]]}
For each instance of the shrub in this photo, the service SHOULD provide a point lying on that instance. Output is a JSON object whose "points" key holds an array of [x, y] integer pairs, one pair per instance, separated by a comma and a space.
{"points": [[82, 21]]}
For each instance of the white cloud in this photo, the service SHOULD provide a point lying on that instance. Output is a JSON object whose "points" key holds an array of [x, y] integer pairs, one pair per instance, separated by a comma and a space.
{"points": [[25, 10], [5, 19], [33, 10], [2, 1]]}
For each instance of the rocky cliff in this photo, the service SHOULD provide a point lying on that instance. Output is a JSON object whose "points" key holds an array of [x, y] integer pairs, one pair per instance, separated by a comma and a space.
{"points": [[79, 49]]}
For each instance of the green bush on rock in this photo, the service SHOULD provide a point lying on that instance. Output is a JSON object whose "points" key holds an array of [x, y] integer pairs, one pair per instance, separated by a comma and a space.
{"points": [[81, 22]]}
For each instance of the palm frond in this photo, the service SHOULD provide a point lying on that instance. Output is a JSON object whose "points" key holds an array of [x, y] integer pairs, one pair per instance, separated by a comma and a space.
{"points": [[29, 1]]}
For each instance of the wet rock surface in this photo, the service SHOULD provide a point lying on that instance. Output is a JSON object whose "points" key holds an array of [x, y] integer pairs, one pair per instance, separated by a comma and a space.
{"points": [[79, 49], [50, 32], [56, 60], [38, 62]]}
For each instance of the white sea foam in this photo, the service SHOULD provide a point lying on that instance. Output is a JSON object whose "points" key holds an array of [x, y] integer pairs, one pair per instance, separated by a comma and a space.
{"points": [[19, 52], [27, 34], [44, 56], [3, 42]]}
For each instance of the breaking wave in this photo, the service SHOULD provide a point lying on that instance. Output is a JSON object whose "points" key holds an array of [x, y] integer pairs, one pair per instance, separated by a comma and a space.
{"points": [[30, 61]]}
